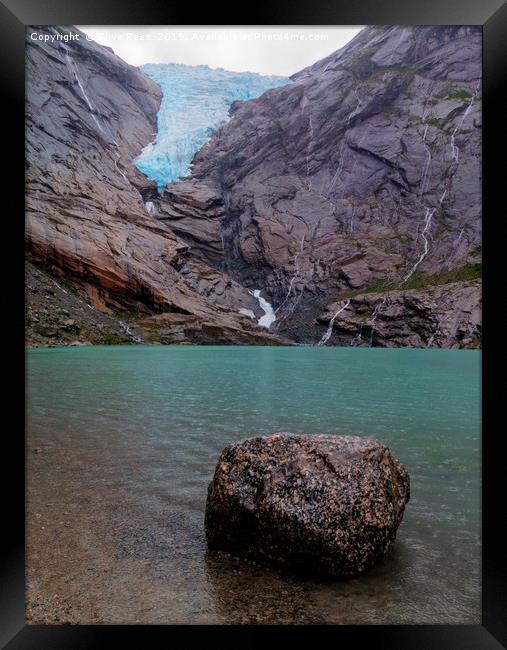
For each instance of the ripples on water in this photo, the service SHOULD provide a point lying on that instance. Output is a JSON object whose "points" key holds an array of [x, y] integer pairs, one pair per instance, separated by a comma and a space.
{"points": [[129, 437]]}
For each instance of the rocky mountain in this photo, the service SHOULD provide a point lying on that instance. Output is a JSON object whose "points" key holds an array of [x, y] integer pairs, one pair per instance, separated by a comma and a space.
{"points": [[363, 175], [350, 197], [88, 116]]}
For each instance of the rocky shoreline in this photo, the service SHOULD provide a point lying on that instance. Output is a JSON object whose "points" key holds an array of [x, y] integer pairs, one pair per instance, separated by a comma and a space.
{"points": [[441, 316], [56, 315]]}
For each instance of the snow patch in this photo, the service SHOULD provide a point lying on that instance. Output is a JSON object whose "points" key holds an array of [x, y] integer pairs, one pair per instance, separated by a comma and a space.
{"points": [[269, 313], [247, 312]]}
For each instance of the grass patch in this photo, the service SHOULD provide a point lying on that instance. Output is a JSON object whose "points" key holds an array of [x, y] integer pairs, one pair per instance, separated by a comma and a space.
{"points": [[464, 273], [380, 72], [125, 314], [361, 56], [110, 338], [432, 121], [378, 287], [460, 95]]}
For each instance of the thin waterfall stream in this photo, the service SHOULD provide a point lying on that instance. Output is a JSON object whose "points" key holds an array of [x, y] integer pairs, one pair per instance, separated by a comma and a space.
{"points": [[327, 335], [72, 66]]}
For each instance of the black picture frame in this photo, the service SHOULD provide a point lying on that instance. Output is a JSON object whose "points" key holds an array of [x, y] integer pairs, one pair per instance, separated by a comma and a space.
{"points": [[492, 15]]}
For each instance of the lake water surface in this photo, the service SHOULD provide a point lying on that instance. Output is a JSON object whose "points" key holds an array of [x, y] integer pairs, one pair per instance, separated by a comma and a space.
{"points": [[122, 442]]}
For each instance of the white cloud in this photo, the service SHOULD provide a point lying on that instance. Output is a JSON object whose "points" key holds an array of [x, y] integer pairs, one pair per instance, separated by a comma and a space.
{"points": [[267, 50]]}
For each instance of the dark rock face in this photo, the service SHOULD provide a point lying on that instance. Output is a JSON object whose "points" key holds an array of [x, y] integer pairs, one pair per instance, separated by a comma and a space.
{"points": [[88, 115], [365, 171], [442, 316], [359, 178], [321, 504]]}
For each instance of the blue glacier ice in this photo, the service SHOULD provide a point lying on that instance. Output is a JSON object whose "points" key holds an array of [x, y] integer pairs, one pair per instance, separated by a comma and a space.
{"points": [[195, 102]]}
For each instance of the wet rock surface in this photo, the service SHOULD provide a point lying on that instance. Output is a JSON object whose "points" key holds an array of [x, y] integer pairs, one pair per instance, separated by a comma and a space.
{"points": [[88, 115], [56, 315], [319, 505], [363, 172], [202, 330], [446, 316]]}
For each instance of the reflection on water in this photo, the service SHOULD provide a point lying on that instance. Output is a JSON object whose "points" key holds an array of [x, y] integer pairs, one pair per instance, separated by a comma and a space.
{"points": [[122, 443]]}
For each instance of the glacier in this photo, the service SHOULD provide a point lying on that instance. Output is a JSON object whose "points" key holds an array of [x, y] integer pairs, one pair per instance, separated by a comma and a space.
{"points": [[195, 103]]}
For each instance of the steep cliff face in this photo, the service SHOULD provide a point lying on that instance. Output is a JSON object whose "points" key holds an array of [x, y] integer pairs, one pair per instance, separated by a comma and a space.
{"points": [[362, 175], [350, 197], [440, 316], [88, 115]]}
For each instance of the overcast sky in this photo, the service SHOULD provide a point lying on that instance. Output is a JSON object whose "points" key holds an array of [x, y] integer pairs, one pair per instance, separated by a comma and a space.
{"points": [[273, 50]]}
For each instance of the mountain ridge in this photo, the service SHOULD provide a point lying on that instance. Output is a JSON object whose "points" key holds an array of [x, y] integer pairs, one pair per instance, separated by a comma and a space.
{"points": [[363, 172]]}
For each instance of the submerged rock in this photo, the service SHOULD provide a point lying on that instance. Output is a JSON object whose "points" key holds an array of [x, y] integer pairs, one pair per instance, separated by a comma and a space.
{"points": [[319, 504]]}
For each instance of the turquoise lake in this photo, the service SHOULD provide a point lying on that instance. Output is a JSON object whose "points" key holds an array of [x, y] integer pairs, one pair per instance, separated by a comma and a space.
{"points": [[122, 442]]}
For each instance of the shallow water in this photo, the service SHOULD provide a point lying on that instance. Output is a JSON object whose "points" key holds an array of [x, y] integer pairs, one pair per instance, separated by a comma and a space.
{"points": [[123, 441]]}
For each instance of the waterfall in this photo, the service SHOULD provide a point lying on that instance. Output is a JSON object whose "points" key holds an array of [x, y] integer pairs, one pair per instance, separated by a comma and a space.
{"points": [[354, 112], [59, 287], [269, 315], [426, 168], [374, 315], [72, 65], [294, 277], [430, 211], [305, 102], [427, 224], [355, 341], [454, 148], [150, 207], [310, 140], [327, 335], [429, 343], [129, 332]]}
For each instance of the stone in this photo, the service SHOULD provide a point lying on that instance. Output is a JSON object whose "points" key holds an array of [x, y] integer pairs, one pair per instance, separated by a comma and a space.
{"points": [[323, 505], [47, 331]]}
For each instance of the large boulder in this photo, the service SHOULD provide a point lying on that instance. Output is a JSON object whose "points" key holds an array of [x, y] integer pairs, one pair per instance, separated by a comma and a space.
{"points": [[321, 504]]}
